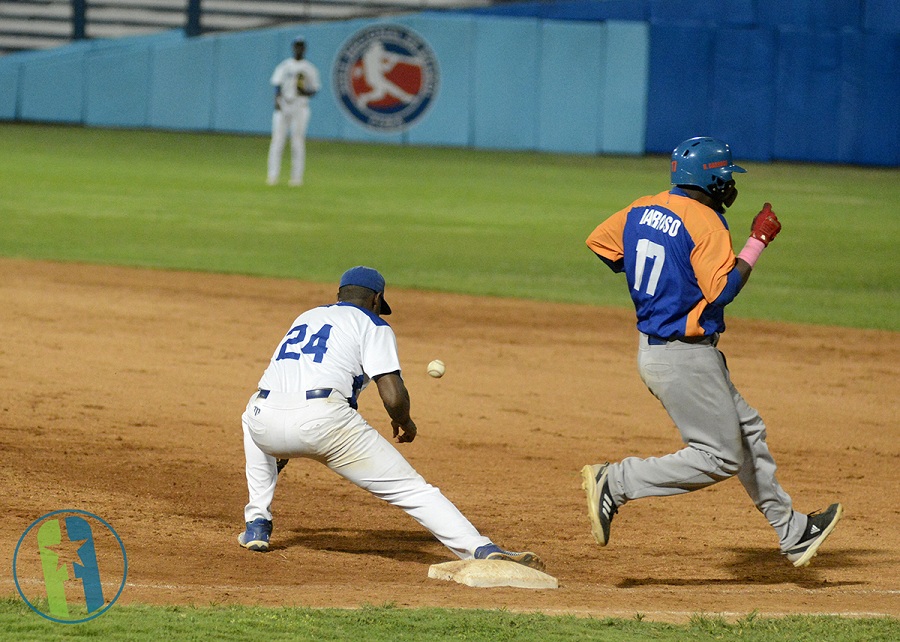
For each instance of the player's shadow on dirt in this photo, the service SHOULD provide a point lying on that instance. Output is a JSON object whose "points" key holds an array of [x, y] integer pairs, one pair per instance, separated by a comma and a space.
{"points": [[403, 546], [762, 566]]}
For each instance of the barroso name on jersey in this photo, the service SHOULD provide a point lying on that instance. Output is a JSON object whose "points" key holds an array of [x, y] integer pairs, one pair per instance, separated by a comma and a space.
{"points": [[386, 77]]}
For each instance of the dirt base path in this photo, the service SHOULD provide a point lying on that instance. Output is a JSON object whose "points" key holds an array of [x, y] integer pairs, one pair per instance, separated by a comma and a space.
{"points": [[122, 389]]}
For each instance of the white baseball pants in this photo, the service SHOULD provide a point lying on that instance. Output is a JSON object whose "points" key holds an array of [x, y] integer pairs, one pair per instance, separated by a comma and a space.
{"points": [[293, 120], [333, 433]]}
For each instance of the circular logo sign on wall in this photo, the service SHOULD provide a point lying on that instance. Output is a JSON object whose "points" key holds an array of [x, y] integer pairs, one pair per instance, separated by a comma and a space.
{"points": [[386, 77]]}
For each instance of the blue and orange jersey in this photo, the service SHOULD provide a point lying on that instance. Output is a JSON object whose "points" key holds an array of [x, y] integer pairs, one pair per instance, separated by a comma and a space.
{"points": [[678, 260]]}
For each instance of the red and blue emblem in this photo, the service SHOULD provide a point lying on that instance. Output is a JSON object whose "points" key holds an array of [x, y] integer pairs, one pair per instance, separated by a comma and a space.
{"points": [[386, 77]]}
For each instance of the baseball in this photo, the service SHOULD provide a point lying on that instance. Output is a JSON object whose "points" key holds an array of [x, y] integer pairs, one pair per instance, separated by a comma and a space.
{"points": [[436, 368]]}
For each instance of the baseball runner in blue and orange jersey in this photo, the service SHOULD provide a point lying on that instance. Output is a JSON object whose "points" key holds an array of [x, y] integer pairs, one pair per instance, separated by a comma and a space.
{"points": [[675, 250], [306, 407]]}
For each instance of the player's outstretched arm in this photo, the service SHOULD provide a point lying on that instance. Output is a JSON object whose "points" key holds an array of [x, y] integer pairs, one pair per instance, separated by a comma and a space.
{"points": [[395, 397]]}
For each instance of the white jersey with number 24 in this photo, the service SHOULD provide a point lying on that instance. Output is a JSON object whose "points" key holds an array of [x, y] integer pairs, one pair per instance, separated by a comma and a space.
{"points": [[339, 346]]}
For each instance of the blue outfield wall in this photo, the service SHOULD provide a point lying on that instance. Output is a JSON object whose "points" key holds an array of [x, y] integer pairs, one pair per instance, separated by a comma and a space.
{"points": [[51, 87], [505, 113], [115, 95], [449, 121], [814, 80], [787, 93], [570, 103], [181, 85], [505, 83], [240, 58]]}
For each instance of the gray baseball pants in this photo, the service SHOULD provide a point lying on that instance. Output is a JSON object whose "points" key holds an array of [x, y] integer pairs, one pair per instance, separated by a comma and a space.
{"points": [[723, 436]]}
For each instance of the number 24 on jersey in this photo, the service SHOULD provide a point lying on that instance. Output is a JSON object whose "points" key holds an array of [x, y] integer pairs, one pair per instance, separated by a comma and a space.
{"points": [[317, 345]]}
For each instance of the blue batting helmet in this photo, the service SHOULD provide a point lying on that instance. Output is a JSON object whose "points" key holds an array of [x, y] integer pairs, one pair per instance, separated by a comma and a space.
{"points": [[703, 162]]}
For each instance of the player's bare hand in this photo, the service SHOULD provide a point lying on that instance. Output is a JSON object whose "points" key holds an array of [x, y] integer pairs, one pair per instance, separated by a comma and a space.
{"points": [[408, 430], [765, 226]]}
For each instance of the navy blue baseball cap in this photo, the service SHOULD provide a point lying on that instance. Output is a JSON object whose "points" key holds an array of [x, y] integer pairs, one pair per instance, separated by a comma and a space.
{"points": [[366, 277]]}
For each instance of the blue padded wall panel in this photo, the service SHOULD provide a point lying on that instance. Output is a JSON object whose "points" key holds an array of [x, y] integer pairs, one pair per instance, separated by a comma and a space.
{"points": [[873, 76], [882, 16], [52, 86], [743, 98], [451, 38], [702, 12], [679, 86], [243, 97], [9, 85], [812, 14], [625, 88], [181, 90], [117, 86], [808, 95], [570, 85], [582, 10], [592, 10], [512, 9], [506, 65]]}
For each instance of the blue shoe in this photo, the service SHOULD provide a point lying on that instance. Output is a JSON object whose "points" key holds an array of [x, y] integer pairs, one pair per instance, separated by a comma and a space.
{"points": [[256, 537], [494, 552]]}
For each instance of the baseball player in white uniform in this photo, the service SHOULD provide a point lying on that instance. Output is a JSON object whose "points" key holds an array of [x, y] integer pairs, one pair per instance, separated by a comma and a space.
{"points": [[306, 407], [296, 80]]}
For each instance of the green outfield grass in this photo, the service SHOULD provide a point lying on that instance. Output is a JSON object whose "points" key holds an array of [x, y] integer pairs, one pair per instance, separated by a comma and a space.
{"points": [[391, 624], [491, 223]]}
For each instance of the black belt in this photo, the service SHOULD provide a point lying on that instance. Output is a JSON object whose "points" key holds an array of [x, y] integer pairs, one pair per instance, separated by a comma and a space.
{"points": [[318, 393], [659, 341]]}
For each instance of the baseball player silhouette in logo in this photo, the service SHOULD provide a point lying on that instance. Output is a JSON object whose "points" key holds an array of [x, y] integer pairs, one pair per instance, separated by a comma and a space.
{"points": [[306, 407], [377, 63], [675, 250]]}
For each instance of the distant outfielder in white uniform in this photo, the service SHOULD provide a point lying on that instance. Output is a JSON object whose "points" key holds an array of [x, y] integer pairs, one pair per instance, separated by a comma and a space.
{"points": [[306, 407], [296, 80]]}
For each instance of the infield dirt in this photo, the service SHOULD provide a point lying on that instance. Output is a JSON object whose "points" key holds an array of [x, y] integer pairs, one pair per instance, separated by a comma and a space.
{"points": [[122, 391]]}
